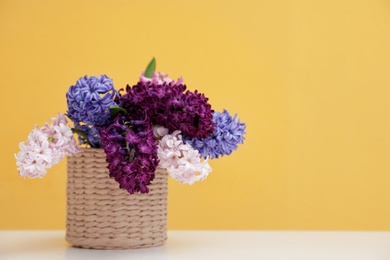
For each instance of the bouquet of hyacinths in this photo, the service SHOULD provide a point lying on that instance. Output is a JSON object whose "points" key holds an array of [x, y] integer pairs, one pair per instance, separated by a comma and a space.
{"points": [[154, 123]]}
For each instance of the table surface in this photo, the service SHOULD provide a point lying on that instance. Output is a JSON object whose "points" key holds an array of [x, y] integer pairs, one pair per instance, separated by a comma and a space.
{"points": [[275, 245]]}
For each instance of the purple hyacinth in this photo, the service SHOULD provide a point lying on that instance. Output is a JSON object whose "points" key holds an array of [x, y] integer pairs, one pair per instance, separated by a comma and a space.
{"points": [[131, 152], [228, 133], [90, 99], [168, 105]]}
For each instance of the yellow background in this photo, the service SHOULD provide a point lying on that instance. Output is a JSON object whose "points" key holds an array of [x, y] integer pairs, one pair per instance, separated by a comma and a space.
{"points": [[310, 78]]}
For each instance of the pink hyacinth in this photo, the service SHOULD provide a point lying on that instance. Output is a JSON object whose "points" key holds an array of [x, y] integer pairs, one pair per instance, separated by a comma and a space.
{"points": [[45, 147], [159, 78], [181, 160]]}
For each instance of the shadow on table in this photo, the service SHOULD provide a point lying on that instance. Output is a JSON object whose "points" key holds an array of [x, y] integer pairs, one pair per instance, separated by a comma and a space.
{"points": [[140, 254], [172, 246]]}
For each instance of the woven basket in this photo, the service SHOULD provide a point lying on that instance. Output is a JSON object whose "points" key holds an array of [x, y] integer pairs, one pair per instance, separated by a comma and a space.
{"points": [[101, 215]]}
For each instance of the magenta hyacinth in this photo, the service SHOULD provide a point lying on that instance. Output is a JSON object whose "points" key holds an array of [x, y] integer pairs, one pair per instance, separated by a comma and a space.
{"points": [[170, 105], [129, 142], [131, 152]]}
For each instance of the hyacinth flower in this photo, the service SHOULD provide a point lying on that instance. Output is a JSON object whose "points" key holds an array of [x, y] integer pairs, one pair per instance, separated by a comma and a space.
{"points": [[45, 147], [171, 106], [157, 78], [182, 162], [131, 152], [228, 133], [89, 102]]}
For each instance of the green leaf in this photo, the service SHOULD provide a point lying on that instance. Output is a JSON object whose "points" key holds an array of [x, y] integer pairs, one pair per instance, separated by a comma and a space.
{"points": [[114, 110], [150, 69], [82, 134]]}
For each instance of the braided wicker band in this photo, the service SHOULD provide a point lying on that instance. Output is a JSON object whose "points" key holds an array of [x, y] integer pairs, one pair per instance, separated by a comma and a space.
{"points": [[101, 215]]}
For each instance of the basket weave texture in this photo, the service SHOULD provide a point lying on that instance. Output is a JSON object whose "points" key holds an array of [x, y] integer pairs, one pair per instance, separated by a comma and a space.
{"points": [[101, 215]]}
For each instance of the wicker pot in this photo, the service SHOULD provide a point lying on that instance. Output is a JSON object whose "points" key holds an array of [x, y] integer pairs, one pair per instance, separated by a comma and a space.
{"points": [[102, 216]]}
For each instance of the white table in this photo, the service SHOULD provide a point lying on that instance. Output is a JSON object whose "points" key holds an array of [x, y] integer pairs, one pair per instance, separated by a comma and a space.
{"points": [[241, 245]]}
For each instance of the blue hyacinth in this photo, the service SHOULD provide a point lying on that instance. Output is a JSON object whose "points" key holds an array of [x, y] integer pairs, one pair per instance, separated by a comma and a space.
{"points": [[228, 133], [90, 99]]}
